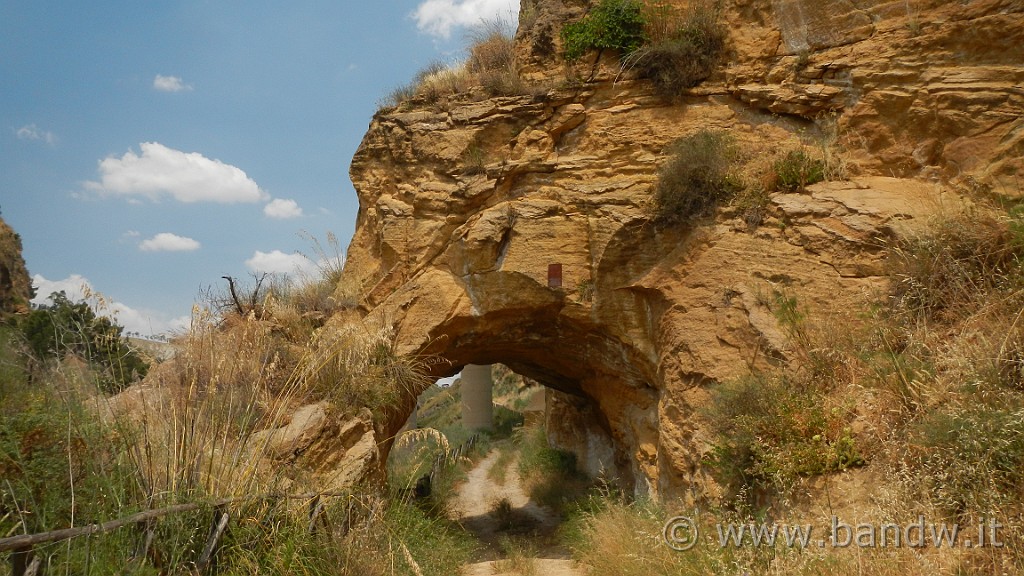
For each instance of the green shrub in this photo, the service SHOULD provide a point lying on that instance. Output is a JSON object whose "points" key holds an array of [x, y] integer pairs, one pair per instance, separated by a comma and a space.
{"points": [[66, 328], [797, 170], [696, 177], [61, 467], [358, 536], [549, 475], [680, 54], [474, 160], [612, 25], [771, 430], [752, 204]]}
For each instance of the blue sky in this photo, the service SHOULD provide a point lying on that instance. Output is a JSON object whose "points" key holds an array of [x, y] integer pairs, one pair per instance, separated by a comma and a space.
{"points": [[149, 148]]}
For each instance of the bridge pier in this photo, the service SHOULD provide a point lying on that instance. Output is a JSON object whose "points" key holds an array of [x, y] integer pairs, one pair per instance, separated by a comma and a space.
{"points": [[477, 402]]}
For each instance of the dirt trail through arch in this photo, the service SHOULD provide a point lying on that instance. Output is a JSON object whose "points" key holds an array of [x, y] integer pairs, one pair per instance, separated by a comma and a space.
{"points": [[478, 505]]}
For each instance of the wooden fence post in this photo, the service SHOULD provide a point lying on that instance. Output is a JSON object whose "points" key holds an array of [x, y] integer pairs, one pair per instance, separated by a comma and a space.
{"points": [[148, 534], [220, 523], [19, 561], [316, 506], [25, 563]]}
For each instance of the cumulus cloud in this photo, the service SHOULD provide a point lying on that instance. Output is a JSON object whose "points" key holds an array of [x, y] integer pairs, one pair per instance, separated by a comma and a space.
{"points": [[167, 242], [74, 286], [282, 209], [141, 320], [160, 171], [440, 17], [277, 262], [34, 133], [169, 84]]}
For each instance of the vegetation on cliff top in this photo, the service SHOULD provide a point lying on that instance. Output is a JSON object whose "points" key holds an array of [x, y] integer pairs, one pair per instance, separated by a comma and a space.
{"points": [[675, 51], [489, 70]]}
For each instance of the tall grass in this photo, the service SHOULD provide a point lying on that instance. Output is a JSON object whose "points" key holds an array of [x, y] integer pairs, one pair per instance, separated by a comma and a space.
{"points": [[917, 393], [489, 69], [354, 365], [628, 539], [196, 430], [549, 475], [771, 430]]}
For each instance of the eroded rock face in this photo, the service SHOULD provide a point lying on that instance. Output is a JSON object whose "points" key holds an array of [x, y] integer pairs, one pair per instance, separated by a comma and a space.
{"points": [[15, 284], [339, 452], [312, 445], [462, 210], [921, 88]]}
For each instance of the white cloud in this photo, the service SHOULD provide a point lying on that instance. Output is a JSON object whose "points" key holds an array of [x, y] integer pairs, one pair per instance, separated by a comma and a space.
{"points": [[277, 262], [74, 286], [167, 242], [141, 320], [282, 209], [34, 133], [169, 84], [185, 176], [440, 17]]}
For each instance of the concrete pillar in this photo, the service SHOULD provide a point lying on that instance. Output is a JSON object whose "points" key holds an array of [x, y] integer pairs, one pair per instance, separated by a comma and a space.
{"points": [[476, 397]]}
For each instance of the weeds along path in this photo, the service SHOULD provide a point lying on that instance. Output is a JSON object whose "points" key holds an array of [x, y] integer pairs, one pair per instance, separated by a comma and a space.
{"points": [[517, 533]]}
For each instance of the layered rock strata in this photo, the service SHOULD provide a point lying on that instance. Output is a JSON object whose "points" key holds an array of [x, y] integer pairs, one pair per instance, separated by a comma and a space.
{"points": [[465, 207]]}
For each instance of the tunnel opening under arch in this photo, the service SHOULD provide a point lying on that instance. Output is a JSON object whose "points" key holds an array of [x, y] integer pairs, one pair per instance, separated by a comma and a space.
{"points": [[601, 397]]}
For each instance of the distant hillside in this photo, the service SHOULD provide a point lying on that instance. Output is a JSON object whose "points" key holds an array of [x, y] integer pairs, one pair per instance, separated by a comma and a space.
{"points": [[15, 284], [153, 349]]}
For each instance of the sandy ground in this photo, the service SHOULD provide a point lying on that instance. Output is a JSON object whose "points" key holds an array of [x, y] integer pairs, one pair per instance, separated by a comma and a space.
{"points": [[475, 506]]}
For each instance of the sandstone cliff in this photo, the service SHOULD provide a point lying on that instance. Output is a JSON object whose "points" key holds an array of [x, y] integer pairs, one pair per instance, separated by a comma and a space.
{"points": [[15, 284], [463, 208]]}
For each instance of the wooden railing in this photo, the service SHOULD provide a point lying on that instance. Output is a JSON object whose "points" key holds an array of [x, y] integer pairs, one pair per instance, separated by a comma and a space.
{"points": [[451, 457], [24, 561]]}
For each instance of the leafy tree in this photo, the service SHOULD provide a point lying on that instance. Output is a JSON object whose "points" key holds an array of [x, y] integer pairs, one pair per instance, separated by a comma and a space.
{"points": [[65, 328]]}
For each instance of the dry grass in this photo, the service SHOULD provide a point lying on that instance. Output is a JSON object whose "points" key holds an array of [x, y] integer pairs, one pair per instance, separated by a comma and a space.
{"points": [[628, 540], [925, 381], [697, 175], [957, 266], [681, 50], [519, 555], [193, 432], [353, 365], [196, 411], [413, 454], [489, 70], [196, 416]]}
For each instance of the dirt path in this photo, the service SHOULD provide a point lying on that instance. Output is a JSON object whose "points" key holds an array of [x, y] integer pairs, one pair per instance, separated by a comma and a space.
{"points": [[500, 513]]}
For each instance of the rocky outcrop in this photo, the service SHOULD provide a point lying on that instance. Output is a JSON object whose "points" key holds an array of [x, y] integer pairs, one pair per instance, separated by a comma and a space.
{"points": [[301, 446], [925, 88], [15, 284], [339, 452], [463, 210]]}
